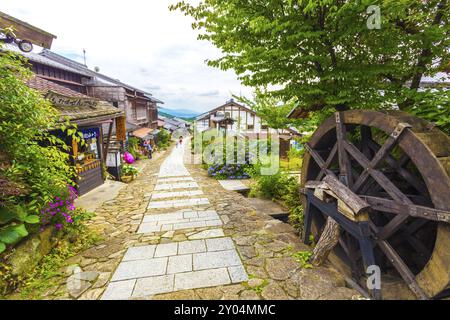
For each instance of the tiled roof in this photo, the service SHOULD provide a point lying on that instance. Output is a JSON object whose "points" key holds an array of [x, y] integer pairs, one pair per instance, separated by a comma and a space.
{"points": [[37, 58], [79, 114], [44, 86], [100, 78]]}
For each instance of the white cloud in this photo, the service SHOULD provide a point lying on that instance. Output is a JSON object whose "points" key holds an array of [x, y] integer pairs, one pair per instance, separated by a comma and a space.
{"points": [[139, 42]]}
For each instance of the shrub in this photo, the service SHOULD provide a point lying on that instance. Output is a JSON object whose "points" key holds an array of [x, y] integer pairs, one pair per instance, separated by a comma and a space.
{"points": [[133, 147], [128, 170], [228, 171], [163, 139], [60, 211], [283, 188], [32, 160]]}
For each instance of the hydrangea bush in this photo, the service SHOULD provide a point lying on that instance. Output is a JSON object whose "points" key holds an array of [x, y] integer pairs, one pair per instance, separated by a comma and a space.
{"points": [[228, 171], [60, 212]]}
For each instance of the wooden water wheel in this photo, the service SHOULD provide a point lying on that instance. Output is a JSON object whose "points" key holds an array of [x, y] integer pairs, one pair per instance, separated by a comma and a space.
{"points": [[379, 181]]}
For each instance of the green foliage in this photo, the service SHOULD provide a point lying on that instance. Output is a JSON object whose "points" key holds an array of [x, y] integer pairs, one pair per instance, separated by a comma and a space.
{"points": [[303, 257], [229, 171], [133, 147], [13, 222], [128, 170], [163, 139], [76, 238], [273, 111], [323, 56], [32, 157], [434, 107], [73, 239], [284, 188]]}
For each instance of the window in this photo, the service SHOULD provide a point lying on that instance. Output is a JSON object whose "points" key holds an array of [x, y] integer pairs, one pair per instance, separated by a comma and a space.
{"points": [[264, 127], [250, 127]]}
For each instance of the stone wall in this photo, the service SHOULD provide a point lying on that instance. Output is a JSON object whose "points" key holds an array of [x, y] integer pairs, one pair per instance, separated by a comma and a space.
{"points": [[27, 255]]}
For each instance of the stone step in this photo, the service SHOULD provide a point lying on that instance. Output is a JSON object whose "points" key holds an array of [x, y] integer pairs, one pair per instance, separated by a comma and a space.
{"points": [[175, 194], [178, 203], [179, 221]]}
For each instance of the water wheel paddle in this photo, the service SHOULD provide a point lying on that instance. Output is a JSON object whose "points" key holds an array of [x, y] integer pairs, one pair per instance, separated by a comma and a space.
{"points": [[384, 178]]}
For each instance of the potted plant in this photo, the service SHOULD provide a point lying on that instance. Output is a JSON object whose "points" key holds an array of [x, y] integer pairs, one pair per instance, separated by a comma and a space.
{"points": [[128, 173]]}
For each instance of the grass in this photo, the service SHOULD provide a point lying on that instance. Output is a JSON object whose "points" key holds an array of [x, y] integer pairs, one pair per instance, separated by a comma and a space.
{"points": [[291, 164]]}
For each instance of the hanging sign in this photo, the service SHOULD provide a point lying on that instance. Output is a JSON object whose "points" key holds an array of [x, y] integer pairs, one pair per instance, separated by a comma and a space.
{"points": [[90, 133], [59, 100], [121, 130]]}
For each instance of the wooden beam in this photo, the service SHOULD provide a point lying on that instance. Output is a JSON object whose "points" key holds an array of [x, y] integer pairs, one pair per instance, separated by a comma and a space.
{"points": [[386, 205], [381, 154], [345, 169], [26, 31], [393, 163]]}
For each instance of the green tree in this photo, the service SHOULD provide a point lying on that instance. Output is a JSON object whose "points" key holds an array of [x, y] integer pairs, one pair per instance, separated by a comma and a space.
{"points": [[33, 163], [323, 53]]}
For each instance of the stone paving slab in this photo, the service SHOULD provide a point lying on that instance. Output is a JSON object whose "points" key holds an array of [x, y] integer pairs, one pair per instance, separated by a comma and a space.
{"points": [[121, 290], [178, 203], [140, 269], [179, 220], [201, 279], [174, 186], [176, 179], [168, 267], [233, 185], [179, 194], [207, 259]]}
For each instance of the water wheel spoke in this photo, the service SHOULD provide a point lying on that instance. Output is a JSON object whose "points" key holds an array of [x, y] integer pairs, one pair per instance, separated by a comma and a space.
{"points": [[402, 268], [377, 175], [414, 181], [328, 162], [345, 169]]}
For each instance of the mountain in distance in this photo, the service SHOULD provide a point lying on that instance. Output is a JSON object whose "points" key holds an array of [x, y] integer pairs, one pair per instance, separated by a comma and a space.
{"points": [[180, 113]]}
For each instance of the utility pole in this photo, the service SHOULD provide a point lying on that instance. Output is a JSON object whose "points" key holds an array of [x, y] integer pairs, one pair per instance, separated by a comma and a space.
{"points": [[84, 55]]}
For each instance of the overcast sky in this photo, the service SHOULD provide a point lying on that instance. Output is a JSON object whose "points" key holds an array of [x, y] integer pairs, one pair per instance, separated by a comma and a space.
{"points": [[139, 42]]}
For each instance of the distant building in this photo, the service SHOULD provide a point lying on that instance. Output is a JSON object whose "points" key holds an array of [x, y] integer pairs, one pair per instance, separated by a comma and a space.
{"points": [[172, 124], [240, 119]]}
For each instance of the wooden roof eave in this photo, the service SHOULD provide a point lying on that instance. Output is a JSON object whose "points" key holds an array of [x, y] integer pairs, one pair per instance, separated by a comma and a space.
{"points": [[26, 31]]}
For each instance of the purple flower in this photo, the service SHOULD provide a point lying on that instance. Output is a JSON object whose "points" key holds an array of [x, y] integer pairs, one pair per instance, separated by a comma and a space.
{"points": [[58, 226]]}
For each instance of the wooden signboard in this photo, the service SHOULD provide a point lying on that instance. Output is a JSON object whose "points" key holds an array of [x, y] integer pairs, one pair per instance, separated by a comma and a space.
{"points": [[121, 131], [59, 100], [25, 31], [75, 147]]}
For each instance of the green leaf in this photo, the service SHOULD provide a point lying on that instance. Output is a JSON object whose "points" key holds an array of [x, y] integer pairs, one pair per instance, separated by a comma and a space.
{"points": [[6, 215], [9, 236], [2, 247], [21, 230], [32, 219], [21, 213]]}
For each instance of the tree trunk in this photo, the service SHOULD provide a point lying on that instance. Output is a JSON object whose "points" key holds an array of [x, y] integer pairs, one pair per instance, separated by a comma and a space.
{"points": [[328, 240]]}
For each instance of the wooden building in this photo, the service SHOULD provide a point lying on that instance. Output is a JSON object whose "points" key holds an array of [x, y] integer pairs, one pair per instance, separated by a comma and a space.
{"points": [[237, 118], [89, 115]]}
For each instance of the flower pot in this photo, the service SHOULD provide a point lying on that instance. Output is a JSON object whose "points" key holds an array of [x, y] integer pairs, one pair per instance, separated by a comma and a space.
{"points": [[127, 179]]}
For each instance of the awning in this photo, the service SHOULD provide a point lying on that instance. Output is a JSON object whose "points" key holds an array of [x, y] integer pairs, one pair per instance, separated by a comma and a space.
{"points": [[142, 133]]}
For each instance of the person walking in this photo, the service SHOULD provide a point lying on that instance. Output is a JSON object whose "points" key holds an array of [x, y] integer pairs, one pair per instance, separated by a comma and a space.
{"points": [[181, 141], [149, 148]]}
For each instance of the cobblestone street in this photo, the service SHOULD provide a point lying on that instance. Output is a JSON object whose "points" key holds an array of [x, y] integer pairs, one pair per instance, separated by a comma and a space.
{"points": [[175, 233]]}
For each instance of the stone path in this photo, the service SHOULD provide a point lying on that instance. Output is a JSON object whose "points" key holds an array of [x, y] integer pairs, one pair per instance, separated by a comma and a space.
{"points": [[165, 262], [209, 260]]}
